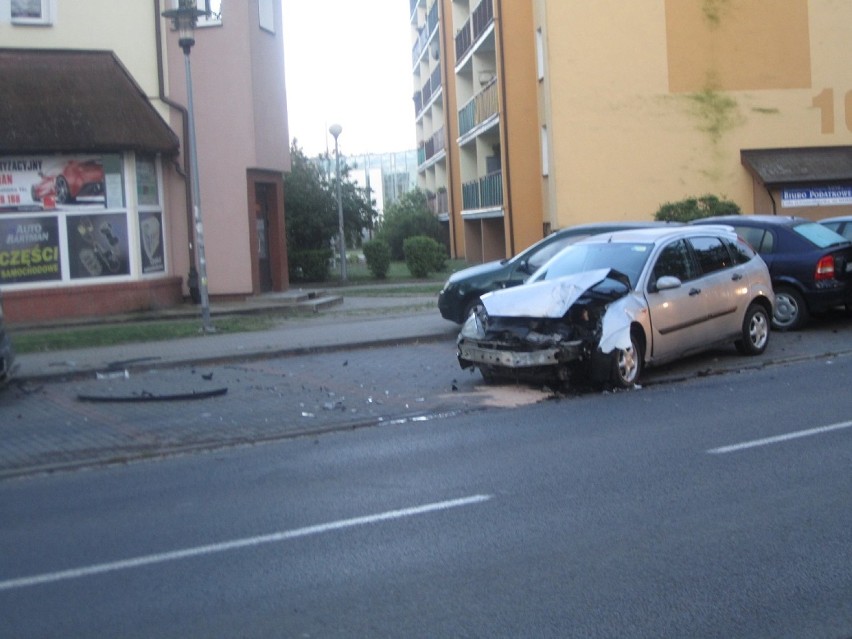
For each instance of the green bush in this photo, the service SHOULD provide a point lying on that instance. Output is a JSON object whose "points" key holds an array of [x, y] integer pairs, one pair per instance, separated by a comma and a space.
{"points": [[309, 266], [409, 217], [695, 208], [423, 255], [378, 256]]}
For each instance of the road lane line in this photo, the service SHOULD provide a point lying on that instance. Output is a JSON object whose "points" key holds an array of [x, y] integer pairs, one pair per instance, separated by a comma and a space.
{"points": [[780, 438], [235, 544]]}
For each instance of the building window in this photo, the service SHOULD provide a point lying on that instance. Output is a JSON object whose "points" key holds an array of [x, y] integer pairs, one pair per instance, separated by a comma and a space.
{"points": [[31, 11], [213, 9], [545, 153], [266, 15]]}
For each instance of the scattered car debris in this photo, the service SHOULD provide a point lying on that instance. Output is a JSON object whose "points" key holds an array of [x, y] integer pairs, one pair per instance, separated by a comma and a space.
{"points": [[146, 396]]}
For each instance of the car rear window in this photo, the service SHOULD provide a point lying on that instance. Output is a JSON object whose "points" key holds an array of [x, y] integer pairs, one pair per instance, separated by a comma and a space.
{"points": [[818, 234]]}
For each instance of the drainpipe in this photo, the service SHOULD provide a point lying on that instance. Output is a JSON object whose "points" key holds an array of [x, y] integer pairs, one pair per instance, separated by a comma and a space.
{"points": [[183, 171], [772, 199], [449, 75], [498, 23]]}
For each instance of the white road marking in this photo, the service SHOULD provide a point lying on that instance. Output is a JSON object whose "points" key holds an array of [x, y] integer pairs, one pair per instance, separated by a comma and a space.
{"points": [[175, 555], [780, 438]]}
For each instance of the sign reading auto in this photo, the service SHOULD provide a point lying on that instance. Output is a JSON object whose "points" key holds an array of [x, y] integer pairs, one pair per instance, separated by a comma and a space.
{"points": [[29, 250]]}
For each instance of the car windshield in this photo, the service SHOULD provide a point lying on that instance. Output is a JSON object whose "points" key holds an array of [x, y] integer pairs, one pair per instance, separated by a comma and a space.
{"points": [[628, 258], [818, 234]]}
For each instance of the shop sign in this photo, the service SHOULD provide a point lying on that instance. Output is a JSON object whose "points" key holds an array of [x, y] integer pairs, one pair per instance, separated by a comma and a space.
{"points": [[820, 196], [29, 250], [45, 183]]}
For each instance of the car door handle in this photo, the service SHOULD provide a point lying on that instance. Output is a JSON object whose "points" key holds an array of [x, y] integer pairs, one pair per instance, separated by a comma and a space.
{"points": [[694, 291], [736, 277]]}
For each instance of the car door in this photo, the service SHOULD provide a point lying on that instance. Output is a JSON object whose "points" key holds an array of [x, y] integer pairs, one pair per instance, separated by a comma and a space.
{"points": [[676, 314], [719, 281]]}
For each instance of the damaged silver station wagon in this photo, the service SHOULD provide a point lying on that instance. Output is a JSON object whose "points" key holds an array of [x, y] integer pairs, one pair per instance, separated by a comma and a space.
{"points": [[603, 308]]}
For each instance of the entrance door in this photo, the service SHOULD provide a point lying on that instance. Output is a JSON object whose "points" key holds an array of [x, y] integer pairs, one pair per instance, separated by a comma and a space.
{"points": [[262, 193]]}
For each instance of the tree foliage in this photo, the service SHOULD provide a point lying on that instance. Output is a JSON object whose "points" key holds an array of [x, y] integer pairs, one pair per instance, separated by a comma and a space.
{"points": [[311, 211], [408, 217], [695, 208]]}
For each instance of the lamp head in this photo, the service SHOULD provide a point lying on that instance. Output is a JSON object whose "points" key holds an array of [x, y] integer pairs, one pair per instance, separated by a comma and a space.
{"points": [[183, 20], [335, 130]]}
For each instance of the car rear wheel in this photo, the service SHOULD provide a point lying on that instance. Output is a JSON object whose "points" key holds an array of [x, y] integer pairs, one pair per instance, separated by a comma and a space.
{"points": [[626, 365], [791, 312], [63, 193], [755, 334]]}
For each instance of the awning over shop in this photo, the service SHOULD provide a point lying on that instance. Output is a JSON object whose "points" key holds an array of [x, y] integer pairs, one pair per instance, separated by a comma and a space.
{"points": [[54, 101], [787, 167]]}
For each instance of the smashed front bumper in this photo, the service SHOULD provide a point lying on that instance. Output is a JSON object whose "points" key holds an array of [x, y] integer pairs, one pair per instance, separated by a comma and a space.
{"points": [[472, 353]]}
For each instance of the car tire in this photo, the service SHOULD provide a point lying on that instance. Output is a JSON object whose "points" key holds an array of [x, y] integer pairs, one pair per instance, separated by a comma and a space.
{"points": [[626, 365], [791, 311], [755, 331]]}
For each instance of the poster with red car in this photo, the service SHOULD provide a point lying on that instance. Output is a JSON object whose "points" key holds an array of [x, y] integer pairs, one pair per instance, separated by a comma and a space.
{"points": [[46, 183]]}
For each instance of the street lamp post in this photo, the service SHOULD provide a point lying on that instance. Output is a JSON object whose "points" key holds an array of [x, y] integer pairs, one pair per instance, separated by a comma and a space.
{"points": [[183, 19], [336, 130]]}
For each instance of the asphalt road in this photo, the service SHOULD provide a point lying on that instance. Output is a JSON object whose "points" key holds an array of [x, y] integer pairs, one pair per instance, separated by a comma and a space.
{"points": [[717, 507]]}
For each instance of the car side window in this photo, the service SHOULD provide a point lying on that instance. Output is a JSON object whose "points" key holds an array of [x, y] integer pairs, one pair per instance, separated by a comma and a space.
{"points": [[742, 252], [711, 253], [674, 260], [760, 239]]}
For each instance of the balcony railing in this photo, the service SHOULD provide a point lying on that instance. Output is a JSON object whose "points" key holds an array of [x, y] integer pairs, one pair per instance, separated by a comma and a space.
{"points": [[464, 40], [422, 39], [413, 5], [432, 18], [435, 144], [485, 192], [481, 107], [422, 97], [483, 16], [439, 202]]}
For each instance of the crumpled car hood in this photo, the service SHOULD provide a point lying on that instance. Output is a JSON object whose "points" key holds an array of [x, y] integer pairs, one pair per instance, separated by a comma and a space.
{"points": [[547, 298]]}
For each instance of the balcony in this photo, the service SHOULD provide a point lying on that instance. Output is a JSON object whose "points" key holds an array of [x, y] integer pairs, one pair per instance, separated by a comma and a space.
{"points": [[483, 106], [413, 5], [434, 145], [422, 39], [485, 192], [431, 88], [438, 203], [432, 18]]}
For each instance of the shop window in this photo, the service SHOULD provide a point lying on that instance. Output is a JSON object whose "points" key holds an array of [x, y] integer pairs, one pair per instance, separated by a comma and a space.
{"points": [[31, 11], [151, 234]]}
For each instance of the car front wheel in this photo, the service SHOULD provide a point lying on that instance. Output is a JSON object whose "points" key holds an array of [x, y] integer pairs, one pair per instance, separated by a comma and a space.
{"points": [[626, 365], [791, 312], [755, 332]]}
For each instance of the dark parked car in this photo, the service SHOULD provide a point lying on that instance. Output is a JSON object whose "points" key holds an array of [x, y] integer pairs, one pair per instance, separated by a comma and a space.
{"points": [[463, 289], [841, 225], [604, 307], [811, 265], [7, 355]]}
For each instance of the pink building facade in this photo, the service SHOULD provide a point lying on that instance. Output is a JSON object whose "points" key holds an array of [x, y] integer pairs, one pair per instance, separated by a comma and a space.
{"points": [[95, 202]]}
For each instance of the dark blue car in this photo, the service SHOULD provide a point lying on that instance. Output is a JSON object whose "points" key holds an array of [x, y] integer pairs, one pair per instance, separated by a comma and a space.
{"points": [[810, 265]]}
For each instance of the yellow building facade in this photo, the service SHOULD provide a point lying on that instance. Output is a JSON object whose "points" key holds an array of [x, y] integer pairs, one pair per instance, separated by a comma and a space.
{"points": [[604, 111]]}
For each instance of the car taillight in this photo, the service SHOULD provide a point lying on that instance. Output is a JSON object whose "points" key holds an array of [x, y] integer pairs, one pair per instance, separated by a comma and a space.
{"points": [[825, 269]]}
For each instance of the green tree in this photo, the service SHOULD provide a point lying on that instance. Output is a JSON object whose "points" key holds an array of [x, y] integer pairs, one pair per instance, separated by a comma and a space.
{"points": [[408, 217], [311, 212], [693, 208]]}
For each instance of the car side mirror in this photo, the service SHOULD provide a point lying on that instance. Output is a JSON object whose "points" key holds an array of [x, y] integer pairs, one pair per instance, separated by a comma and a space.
{"points": [[667, 282]]}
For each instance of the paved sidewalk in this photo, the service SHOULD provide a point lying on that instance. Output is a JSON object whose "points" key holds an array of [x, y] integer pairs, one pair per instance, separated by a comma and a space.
{"points": [[347, 323]]}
